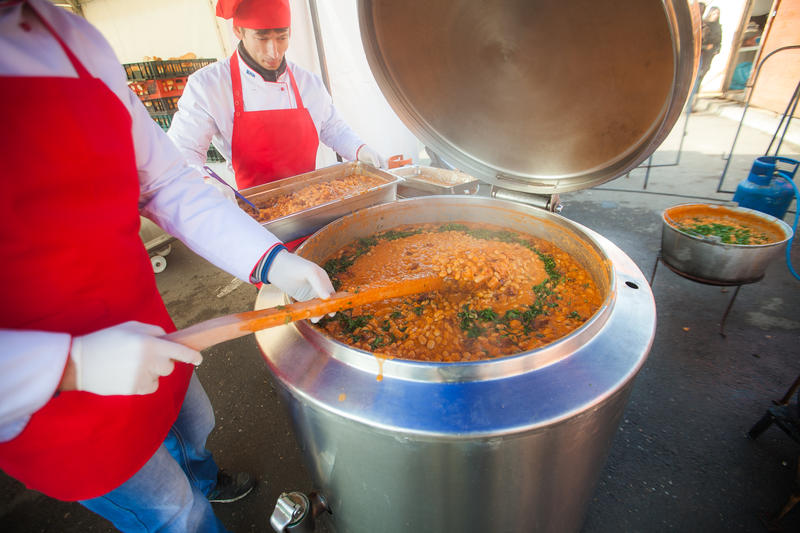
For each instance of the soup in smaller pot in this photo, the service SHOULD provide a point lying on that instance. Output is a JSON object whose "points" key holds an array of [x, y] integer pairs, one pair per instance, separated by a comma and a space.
{"points": [[723, 225]]}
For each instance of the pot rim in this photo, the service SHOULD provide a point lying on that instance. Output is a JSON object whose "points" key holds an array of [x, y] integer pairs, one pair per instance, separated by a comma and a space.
{"points": [[483, 398], [484, 369]]}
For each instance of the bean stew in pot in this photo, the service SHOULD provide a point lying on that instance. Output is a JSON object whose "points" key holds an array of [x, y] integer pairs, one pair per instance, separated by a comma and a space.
{"points": [[505, 292]]}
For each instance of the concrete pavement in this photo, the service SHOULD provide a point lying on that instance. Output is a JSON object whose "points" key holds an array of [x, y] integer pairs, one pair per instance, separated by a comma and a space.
{"points": [[680, 461]]}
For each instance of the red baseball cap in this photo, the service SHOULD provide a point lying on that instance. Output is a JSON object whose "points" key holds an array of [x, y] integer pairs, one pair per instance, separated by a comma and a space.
{"points": [[256, 14]]}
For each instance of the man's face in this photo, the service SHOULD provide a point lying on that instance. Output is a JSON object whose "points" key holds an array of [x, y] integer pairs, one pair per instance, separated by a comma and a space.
{"points": [[265, 46]]}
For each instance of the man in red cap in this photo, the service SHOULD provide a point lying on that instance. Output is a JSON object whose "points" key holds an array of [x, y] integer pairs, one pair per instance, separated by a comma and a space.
{"points": [[266, 115]]}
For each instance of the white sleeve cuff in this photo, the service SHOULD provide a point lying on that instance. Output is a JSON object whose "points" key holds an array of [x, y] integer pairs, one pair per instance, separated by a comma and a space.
{"points": [[31, 367]]}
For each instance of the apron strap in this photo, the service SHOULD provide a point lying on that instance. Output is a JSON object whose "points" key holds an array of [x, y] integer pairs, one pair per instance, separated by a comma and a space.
{"points": [[76, 64], [298, 101], [236, 84]]}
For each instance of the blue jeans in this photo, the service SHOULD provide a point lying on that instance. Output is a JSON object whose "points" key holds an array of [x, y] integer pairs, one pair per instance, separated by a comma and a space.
{"points": [[169, 492]]}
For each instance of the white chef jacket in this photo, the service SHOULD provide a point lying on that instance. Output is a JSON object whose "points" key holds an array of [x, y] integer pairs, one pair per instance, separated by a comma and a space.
{"points": [[172, 194], [205, 110]]}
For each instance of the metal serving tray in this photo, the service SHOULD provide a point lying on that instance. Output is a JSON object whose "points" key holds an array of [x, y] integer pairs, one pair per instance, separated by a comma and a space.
{"points": [[423, 181], [307, 221]]}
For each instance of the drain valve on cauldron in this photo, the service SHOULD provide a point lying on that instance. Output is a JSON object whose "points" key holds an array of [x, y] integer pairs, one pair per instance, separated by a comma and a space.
{"points": [[295, 512]]}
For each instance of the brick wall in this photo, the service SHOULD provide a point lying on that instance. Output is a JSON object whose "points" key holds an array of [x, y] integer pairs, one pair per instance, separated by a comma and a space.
{"points": [[781, 73]]}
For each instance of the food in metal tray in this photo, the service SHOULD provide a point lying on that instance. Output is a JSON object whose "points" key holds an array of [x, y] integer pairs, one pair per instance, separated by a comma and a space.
{"points": [[722, 225], [443, 179], [504, 293], [315, 194]]}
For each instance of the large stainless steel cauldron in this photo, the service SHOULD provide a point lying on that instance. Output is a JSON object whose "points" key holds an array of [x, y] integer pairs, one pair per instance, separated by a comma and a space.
{"points": [[507, 445], [531, 97]]}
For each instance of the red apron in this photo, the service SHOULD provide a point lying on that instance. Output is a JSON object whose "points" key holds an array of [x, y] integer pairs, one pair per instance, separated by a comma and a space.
{"points": [[273, 144], [73, 262]]}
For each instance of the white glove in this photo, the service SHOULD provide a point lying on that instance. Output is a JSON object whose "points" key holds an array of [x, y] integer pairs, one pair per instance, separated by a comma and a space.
{"points": [[126, 359], [367, 155], [299, 278]]}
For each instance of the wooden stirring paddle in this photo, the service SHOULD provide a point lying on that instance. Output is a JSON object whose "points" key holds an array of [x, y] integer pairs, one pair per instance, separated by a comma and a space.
{"points": [[210, 332]]}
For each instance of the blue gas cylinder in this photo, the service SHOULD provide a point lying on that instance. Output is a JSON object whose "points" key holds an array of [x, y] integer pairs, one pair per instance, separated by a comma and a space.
{"points": [[767, 189]]}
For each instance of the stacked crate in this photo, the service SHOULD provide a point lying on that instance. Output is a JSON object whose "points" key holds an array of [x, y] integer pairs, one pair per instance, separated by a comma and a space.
{"points": [[159, 85]]}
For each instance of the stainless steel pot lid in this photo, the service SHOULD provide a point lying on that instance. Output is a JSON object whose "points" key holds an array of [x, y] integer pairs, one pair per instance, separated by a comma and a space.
{"points": [[540, 96]]}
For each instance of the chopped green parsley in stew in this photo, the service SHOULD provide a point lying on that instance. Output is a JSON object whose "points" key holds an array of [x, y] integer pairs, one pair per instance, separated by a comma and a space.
{"points": [[504, 293]]}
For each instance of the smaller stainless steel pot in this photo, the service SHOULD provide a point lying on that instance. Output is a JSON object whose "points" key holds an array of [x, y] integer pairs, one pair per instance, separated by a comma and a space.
{"points": [[705, 259]]}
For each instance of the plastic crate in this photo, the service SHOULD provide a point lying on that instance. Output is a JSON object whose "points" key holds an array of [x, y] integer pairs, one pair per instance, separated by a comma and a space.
{"points": [[170, 87], [148, 89], [191, 65], [141, 88], [155, 70], [163, 119], [149, 70], [162, 105], [213, 155]]}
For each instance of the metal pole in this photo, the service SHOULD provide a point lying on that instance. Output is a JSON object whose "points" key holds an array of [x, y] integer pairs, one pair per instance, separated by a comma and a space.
{"points": [[680, 148], [789, 393], [727, 310], [323, 63], [788, 120], [783, 117], [746, 106], [647, 172], [677, 161]]}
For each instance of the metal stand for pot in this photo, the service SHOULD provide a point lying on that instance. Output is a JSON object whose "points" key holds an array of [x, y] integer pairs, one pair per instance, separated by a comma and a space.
{"points": [[737, 284], [647, 166], [787, 417]]}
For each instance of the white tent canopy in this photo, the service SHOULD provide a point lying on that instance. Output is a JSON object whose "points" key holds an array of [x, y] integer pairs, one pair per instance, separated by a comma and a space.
{"points": [[161, 28]]}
